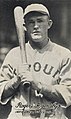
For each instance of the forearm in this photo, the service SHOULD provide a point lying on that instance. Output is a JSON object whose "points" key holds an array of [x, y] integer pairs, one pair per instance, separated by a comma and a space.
{"points": [[10, 88], [51, 94]]}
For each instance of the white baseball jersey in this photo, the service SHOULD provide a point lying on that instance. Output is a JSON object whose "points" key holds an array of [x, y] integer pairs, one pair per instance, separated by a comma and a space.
{"points": [[50, 66]]}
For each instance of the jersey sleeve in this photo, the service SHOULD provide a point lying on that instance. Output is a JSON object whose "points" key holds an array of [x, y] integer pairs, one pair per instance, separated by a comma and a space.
{"points": [[64, 86], [4, 76]]}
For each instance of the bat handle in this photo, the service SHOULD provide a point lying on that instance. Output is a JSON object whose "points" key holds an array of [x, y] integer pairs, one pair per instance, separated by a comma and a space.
{"points": [[26, 84], [22, 69]]}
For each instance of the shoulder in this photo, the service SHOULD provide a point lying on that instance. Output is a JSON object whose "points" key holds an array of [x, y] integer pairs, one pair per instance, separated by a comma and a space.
{"points": [[61, 51], [57, 46], [13, 54], [14, 50]]}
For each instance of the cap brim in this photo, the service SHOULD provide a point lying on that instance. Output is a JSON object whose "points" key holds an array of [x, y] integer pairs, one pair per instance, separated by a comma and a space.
{"points": [[31, 12]]}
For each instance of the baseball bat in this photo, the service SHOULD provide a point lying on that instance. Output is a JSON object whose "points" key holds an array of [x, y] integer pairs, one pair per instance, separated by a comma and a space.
{"points": [[19, 21]]}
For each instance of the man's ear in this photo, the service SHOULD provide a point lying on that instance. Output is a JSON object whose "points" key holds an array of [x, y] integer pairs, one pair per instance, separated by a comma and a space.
{"points": [[50, 22]]}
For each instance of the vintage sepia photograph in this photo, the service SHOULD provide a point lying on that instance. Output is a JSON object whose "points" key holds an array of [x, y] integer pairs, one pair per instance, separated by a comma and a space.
{"points": [[35, 59]]}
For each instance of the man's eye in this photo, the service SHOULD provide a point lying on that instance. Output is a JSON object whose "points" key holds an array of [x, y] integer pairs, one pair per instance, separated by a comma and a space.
{"points": [[39, 20], [31, 22]]}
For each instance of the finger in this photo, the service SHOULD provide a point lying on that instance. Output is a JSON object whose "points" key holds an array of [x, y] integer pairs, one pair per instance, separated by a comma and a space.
{"points": [[8, 73], [12, 70], [23, 77]]}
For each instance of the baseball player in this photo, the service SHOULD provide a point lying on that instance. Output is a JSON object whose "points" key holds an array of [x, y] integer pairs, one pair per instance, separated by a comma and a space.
{"points": [[41, 88]]}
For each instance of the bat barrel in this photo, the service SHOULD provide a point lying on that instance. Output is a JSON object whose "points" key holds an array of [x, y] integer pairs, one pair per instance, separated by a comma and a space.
{"points": [[19, 21]]}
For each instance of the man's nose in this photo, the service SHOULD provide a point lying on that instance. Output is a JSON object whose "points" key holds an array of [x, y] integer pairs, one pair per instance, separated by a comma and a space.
{"points": [[36, 25]]}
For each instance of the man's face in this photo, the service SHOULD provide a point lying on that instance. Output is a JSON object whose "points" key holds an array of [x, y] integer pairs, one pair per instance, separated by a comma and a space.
{"points": [[37, 26]]}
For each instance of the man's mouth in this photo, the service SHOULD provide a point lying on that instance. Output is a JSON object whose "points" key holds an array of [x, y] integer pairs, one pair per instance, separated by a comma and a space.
{"points": [[36, 33]]}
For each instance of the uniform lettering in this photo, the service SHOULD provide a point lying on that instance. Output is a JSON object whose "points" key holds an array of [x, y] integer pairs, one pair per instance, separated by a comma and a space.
{"points": [[56, 73], [37, 66], [45, 69]]}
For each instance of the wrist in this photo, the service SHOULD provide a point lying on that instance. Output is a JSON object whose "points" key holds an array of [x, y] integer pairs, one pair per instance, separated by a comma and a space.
{"points": [[43, 88], [16, 83]]}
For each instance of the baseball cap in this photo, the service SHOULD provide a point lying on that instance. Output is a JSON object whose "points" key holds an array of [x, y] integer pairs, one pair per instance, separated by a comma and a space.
{"points": [[37, 8]]}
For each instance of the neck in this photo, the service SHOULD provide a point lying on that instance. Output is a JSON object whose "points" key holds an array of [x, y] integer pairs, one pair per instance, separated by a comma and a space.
{"points": [[39, 45]]}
